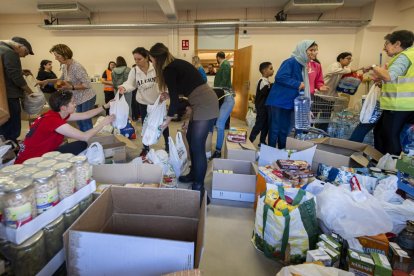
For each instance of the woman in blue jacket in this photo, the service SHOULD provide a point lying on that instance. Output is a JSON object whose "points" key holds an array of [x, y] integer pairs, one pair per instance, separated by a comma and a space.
{"points": [[291, 77]]}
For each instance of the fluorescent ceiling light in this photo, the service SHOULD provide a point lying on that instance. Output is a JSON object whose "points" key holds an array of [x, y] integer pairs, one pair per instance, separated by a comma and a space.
{"points": [[168, 7]]}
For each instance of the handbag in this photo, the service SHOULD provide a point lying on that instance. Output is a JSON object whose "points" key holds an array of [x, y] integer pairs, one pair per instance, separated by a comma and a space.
{"points": [[286, 226], [370, 111]]}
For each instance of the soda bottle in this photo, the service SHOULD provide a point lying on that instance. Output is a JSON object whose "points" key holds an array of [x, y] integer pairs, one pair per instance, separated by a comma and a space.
{"points": [[302, 111]]}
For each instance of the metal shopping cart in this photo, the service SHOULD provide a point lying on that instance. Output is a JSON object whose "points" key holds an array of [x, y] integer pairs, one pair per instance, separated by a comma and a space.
{"points": [[324, 107]]}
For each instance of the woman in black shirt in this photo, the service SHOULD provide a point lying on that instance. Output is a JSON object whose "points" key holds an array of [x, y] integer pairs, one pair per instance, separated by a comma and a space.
{"points": [[45, 72], [180, 77]]}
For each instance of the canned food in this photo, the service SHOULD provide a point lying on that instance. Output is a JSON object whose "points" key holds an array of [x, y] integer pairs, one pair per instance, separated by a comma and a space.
{"points": [[46, 190], [82, 171], [65, 176]]}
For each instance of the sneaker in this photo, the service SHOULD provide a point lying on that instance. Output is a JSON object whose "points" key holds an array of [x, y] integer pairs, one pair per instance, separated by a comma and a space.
{"points": [[216, 154], [186, 178]]}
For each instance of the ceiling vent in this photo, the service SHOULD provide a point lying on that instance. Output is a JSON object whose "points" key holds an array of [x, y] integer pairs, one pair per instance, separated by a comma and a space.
{"points": [[73, 10], [311, 6]]}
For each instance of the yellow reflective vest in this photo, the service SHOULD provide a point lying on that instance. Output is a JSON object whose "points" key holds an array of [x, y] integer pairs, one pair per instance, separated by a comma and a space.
{"points": [[398, 95]]}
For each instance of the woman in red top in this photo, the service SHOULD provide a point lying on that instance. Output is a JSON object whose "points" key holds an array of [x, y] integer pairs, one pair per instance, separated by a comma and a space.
{"points": [[48, 131]]}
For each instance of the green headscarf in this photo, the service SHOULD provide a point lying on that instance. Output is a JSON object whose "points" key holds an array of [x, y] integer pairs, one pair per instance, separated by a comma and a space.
{"points": [[300, 55]]}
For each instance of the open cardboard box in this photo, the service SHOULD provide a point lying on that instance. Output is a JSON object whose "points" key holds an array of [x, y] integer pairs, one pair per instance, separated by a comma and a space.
{"points": [[338, 152], [240, 151], [130, 231], [240, 185], [112, 146]]}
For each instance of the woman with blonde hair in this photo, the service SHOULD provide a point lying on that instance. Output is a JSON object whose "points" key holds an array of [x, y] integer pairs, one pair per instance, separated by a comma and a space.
{"points": [[180, 77], [197, 64], [74, 78]]}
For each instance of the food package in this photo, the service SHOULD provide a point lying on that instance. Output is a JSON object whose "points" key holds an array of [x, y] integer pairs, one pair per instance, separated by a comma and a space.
{"points": [[293, 165], [378, 243], [333, 253], [382, 265], [318, 255], [399, 258], [331, 242], [360, 264], [237, 135]]}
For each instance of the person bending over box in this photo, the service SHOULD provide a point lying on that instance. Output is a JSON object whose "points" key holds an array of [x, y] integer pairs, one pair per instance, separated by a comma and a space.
{"points": [[48, 130]]}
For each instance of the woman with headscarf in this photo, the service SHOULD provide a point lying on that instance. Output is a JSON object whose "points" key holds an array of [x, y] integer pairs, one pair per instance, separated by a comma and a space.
{"points": [[291, 78]]}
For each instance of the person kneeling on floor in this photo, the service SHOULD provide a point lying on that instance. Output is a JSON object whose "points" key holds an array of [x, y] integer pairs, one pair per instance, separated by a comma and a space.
{"points": [[48, 130]]}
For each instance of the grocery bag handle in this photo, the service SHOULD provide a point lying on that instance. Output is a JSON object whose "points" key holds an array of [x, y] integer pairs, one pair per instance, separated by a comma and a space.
{"points": [[298, 198]]}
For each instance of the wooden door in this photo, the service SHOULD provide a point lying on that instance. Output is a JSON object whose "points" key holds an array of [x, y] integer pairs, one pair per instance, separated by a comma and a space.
{"points": [[241, 81]]}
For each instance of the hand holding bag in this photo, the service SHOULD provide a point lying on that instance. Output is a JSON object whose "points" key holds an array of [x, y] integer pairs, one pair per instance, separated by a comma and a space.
{"points": [[120, 108]]}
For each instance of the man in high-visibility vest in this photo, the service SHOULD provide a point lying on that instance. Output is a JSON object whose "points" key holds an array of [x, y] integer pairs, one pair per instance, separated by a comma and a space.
{"points": [[397, 94], [107, 81]]}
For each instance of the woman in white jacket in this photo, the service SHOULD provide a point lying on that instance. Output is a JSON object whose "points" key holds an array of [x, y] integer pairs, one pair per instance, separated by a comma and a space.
{"points": [[143, 78]]}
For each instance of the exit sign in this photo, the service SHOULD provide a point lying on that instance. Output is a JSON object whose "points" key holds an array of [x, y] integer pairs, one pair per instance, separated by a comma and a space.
{"points": [[185, 44]]}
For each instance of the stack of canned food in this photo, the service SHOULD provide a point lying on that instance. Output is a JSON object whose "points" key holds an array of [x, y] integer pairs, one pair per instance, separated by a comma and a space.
{"points": [[29, 189]]}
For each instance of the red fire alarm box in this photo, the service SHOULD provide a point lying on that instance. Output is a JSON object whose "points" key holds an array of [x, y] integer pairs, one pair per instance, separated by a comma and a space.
{"points": [[185, 44]]}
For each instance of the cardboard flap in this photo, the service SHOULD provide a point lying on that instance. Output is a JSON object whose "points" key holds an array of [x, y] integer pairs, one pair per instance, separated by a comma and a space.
{"points": [[127, 173], [200, 232], [237, 166], [163, 227], [360, 159], [306, 152], [156, 201], [340, 143], [107, 141], [373, 153], [127, 142]]}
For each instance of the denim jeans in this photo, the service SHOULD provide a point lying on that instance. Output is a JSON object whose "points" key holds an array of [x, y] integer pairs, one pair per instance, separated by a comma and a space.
{"points": [[280, 125], [85, 125], [359, 133], [225, 111]]}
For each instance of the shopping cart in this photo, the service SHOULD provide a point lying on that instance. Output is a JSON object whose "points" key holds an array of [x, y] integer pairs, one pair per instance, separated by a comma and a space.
{"points": [[324, 107]]}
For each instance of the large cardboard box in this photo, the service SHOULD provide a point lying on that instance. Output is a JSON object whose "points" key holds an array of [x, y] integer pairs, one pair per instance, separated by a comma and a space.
{"points": [[240, 151], [338, 152], [112, 146], [4, 105], [132, 231], [239, 185], [122, 174]]}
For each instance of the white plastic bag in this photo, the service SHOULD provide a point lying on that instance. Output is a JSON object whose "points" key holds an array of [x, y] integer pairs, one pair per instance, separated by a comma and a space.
{"points": [[151, 131], [250, 118], [399, 214], [95, 154], [352, 214], [178, 155], [387, 163], [160, 158], [33, 104], [120, 109], [370, 102], [106, 129]]}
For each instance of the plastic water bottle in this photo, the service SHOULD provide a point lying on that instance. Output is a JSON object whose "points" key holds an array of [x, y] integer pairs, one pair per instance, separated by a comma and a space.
{"points": [[302, 111]]}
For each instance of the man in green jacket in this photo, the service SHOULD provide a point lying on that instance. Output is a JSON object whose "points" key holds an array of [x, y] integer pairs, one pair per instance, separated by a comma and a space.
{"points": [[223, 75]]}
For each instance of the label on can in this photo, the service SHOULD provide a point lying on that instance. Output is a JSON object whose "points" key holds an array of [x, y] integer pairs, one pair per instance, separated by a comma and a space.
{"points": [[45, 201]]}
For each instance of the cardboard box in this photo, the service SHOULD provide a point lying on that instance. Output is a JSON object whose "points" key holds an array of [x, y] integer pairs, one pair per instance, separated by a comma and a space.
{"points": [[360, 264], [4, 105], [129, 231], [333, 253], [112, 146], [240, 185], [238, 151], [378, 243], [338, 152], [399, 258], [331, 242], [127, 173], [382, 265], [305, 151]]}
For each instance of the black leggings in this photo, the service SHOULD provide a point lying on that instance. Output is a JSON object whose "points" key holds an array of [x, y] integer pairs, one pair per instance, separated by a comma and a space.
{"points": [[165, 133], [197, 133], [75, 147]]}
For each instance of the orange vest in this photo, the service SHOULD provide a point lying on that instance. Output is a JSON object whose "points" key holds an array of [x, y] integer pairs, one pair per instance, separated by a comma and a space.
{"points": [[108, 88]]}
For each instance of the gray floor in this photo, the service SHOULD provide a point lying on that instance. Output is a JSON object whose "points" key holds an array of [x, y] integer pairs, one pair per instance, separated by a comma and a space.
{"points": [[228, 247]]}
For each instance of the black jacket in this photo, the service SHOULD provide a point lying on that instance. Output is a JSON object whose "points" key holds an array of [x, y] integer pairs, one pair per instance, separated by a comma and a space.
{"points": [[13, 75], [261, 94]]}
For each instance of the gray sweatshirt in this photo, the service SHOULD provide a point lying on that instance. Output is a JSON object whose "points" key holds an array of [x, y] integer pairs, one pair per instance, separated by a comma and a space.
{"points": [[13, 75]]}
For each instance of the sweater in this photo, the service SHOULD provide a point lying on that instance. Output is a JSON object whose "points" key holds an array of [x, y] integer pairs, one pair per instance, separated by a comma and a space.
{"points": [[286, 86], [334, 75], [223, 75], [119, 76], [145, 83], [262, 92]]}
